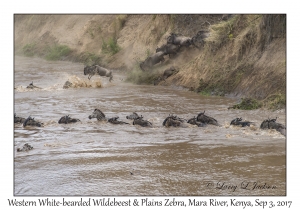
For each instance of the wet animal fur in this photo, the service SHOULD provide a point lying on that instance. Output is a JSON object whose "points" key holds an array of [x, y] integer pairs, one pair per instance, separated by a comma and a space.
{"points": [[272, 124], [206, 119]]}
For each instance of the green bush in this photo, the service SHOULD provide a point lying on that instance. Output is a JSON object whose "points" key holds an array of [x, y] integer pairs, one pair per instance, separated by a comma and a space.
{"points": [[111, 46], [29, 49], [57, 52], [247, 104]]}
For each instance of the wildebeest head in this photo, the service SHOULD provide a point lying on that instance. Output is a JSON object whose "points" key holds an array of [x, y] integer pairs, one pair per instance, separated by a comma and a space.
{"points": [[31, 122], [139, 121], [26, 147], [235, 121], [97, 114], [86, 70], [67, 119]]}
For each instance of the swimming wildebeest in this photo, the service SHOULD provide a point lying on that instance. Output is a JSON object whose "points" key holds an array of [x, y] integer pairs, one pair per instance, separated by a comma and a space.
{"points": [[67, 84], [98, 114], [26, 147], [173, 121], [67, 119], [178, 39], [194, 121], [133, 116], [18, 119], [114, 120], [238, 121], [141, 122], [152, 60], [95, 69], [206, 119], [272, 124], [31, 86], [31, 122], [169, 49]]}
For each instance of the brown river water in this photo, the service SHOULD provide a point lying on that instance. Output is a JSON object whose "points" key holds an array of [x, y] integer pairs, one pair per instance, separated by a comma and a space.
{"points": [[92, 158]]}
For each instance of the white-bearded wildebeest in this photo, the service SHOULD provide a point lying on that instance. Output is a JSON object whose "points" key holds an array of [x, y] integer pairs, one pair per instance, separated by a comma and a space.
{"points": [[272, 124], [177, 39], [193, 121], [169, 49], [152, 60], [31, 86], [25, 148], [18, 119], [238, 121], [206, 119], [66, 119], [31, 122], [114, 120], [95, 69], [141, 122], [173, 121]]}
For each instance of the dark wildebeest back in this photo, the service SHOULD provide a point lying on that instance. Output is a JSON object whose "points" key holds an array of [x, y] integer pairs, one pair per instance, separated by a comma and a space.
{"points": [[114, 120], [194, 121], [25, 148], [206, 119], [31, 122], [31, 86], [272, 124], [173, 121], [238, 121], [152, 60], [18, 119], [66, 119], [141, 122]]}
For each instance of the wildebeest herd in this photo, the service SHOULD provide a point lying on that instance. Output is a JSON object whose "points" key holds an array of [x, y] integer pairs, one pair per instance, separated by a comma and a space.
{"points": [[174, 43], [201, 120]]}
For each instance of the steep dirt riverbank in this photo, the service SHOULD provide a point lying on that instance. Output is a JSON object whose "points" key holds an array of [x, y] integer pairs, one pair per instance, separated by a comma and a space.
{"points": [[243, 56]]}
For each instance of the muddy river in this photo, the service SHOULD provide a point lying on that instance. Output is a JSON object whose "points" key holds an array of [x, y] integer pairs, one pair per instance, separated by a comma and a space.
{"points": [[93, 158]]}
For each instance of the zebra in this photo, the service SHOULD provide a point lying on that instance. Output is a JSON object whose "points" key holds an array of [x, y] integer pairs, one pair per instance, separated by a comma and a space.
{"points": [[98, 114]]}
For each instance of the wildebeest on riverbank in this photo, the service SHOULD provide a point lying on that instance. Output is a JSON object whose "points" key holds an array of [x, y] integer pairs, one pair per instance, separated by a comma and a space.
{"points": [[152, 60]]}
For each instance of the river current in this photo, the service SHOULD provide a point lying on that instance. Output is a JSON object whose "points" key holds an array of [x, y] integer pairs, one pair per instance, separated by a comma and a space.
{"points": [[93, 158]]}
